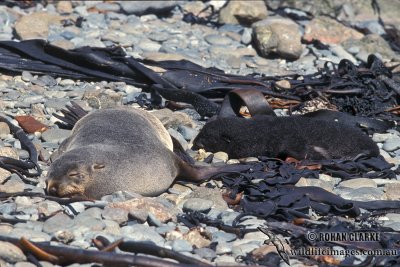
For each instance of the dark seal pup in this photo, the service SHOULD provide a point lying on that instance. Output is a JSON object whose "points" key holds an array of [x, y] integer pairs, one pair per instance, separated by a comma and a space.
{"points": [[120, 149], [298, 137]]}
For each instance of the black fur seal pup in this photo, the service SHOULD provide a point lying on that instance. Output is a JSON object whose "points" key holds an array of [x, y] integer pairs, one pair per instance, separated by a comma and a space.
{"points": [[120, 149], [298, 137]]}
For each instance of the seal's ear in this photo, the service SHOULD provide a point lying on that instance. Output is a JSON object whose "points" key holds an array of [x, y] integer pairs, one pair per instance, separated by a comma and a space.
{"points": [[98, 166]]}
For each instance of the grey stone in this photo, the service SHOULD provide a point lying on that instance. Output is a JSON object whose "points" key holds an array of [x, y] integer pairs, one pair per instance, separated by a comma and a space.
{"points": [[145, 7], [66, 82], [108, 7], [33, 100], [394, 225], [7, 208], [371, 26], [140, 232], [26, 76], [198, 204], [11, 253], [158, 36], [361, 194], [30, 234], [395, 217], [243, 12], [115, 214], [140, 215], [95, 21], [392, 190], [225, 260], [64, 236], [211, 194], [172, 119], [370, 44], [5, 228], [12, 186], [342, 53], [47, 80], [55, 135], [279, 36], [223, 248], [244, 249], [221, 156], [246, 36], [68, 35], [358, 183], [381, 137], [216, 39], [221, 236], [153, 220], [187, 132], [4, 130], [251, 222], [85, 223], [23, 154], [48, 207], [149, 46], [315, 182], [391, 144], [180, 245], [163, 229], [56, 223], [116, 16], [227, 217], [112, 227], [56, 103], [77, 207], [205, 253]]}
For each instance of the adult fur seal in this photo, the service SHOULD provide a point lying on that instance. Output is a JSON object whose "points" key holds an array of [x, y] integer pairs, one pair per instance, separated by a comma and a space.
{"points": [[297, 136], [120, 149]]}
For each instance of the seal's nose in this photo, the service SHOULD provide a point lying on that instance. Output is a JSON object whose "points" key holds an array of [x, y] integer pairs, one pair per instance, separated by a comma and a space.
{"points": [[51, 189]]}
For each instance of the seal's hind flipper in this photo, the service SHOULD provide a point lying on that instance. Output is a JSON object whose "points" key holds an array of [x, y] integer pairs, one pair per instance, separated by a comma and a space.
{"points": [[180, 151], [71, 115]]}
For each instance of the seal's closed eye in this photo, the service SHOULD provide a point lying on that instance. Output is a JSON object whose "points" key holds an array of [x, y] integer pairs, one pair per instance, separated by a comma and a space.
{"points": [[73, 174], [98, 166]]}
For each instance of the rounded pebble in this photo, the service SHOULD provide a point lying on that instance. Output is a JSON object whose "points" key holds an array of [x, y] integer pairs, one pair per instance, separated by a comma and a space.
{"points": [[198, 204]]}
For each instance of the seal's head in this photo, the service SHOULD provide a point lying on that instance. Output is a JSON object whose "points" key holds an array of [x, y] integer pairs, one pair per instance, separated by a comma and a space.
{"points": [[71, 174], [217, 135]]}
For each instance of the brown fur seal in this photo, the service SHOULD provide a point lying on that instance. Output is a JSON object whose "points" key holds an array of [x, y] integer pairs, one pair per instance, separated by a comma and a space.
{"points": [[296, 136], [120, 149]]}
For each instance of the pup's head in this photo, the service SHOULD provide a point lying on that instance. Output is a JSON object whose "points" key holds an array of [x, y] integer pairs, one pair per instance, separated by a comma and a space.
{"points": [[217, 135]]}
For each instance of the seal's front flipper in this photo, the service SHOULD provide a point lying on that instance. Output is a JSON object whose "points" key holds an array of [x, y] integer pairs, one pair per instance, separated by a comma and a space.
{"points": [[71, 115]]}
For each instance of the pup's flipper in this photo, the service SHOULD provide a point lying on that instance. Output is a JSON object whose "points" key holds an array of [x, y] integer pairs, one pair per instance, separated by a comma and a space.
{"points": [[71, 115]]}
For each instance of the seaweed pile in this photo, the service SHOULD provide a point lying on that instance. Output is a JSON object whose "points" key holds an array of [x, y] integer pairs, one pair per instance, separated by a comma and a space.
{"points": [[369, 90]]}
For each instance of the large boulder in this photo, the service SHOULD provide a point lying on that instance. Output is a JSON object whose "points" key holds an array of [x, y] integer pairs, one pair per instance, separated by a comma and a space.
{"points": [[278, 36]]}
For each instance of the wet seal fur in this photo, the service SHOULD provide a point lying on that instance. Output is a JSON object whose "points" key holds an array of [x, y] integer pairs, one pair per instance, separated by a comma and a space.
{"points": [[296, 136], [120, 149]]}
